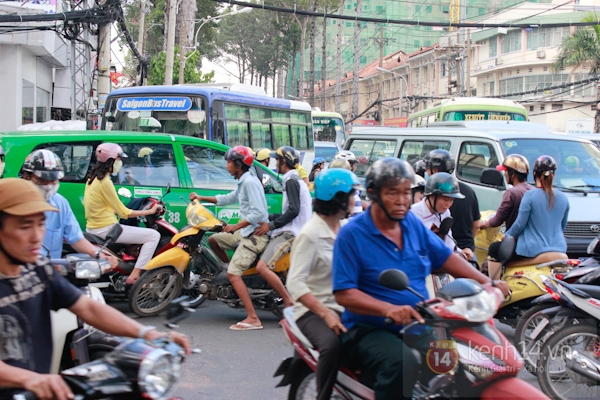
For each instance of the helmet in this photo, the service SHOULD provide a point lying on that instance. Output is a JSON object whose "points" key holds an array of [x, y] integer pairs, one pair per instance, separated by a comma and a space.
{"points": [[44, 164], [363, 160], [318, 160], [333, 181], [572, 162], [263, 154], [544, 165], [420, 168], [346, 155], [384, 170], [440, 159], [240, 154], [288, 154], [515, 162], [145, 151], [419, 182], [339, 163], [443, 184], [106, 151]]}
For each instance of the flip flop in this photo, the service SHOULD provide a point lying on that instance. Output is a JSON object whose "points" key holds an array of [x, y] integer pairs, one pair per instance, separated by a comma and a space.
{"points": [[242, 326]]}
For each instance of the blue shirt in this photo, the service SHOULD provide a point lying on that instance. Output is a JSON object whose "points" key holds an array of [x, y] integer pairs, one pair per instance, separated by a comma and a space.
{"points": [[361, 252], [60, 226], [537, 229], [253, 203]]}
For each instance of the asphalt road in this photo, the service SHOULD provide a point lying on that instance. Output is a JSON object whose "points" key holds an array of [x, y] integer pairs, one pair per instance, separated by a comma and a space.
{"points": [[238, 365]]}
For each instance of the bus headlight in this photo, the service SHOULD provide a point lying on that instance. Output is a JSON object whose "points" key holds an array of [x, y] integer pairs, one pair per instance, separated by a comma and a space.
{"points": [[158, 374]]}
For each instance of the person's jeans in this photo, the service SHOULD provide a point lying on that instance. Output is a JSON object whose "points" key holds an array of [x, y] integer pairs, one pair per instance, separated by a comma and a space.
{"points": [[330, 348], [147, 237]]}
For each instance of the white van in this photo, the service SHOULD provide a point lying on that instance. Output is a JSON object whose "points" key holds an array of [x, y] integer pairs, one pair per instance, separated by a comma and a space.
{"points": [[479, 146]]}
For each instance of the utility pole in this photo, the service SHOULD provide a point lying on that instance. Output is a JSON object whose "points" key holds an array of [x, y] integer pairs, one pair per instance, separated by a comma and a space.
{"points": [[142, 37], [449, 66], [355, 76], [380, 104], [468, 78], [104, 62], [338, 63], [311, 76], [182, 32], [458, 69], [324, 64], [170, 42]]}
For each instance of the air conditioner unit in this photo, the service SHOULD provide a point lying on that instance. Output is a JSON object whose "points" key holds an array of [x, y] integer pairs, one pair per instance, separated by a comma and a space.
{"points": [[477, 68], [499, 61], [540, 54]]}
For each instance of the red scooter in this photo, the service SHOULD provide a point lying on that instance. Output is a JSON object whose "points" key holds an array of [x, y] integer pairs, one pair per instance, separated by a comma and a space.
{"points": [[469, 359]]}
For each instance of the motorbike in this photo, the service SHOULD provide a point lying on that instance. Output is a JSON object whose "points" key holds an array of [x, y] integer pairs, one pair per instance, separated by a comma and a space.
{"points": [[192, 267], [477, 360], [535, 327], [75, 342], [522, 276], [569, 362], [136, 369], [113, 284]]}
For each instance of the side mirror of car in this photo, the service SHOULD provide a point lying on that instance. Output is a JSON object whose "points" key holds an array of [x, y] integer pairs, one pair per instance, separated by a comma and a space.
{"points": [[492, 177]]}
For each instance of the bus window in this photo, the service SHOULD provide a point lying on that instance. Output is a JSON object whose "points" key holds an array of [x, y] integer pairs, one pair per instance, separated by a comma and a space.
{"points": [[329, 128], [413, 151]]}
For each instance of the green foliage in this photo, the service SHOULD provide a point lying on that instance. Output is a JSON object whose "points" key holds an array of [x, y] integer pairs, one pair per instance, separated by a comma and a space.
{"points": [[581, 47], [191, 74]]}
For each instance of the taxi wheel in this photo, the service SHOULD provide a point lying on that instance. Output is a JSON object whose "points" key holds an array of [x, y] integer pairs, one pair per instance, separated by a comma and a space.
{"points": [[154, 291]]}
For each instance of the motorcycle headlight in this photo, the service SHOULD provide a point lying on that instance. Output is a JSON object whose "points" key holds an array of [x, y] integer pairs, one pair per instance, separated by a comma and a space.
{"points": [[477, 308], [195, 219], [158, 374], [85, 267]]}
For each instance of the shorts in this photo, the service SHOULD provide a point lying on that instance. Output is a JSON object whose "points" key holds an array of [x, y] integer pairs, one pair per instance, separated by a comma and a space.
{"points": [[246, 253], [278, 247]]}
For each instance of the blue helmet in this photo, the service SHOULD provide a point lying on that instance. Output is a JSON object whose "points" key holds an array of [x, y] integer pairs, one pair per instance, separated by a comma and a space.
{"points": [[333, 181], [318, 160]]}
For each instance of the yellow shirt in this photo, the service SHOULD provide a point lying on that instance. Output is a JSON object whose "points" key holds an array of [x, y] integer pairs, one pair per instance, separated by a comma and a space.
{"points": [[101, 203], [301, 171]]}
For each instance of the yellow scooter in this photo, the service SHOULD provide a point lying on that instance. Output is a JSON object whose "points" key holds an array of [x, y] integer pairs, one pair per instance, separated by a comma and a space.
{"points": [[191, 268], [522, 276]]}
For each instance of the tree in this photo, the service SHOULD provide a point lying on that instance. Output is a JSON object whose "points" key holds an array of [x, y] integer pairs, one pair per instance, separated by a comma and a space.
{"points": [[582, 47], [191, 74]]}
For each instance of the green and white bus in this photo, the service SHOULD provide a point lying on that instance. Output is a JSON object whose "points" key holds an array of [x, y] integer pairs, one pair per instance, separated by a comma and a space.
{"points": [[328, 127], [469, 109]]}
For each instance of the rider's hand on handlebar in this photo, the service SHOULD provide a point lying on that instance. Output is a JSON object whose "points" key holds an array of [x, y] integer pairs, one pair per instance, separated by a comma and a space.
{"points": [[114, 261], [175, 337], [503, 286], [403, 315], [334, 322], [49, 387], [194, 196], [156, 209]]}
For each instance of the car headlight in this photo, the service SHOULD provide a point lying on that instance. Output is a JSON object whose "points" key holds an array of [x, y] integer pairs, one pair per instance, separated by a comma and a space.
{"points": [[477, 308], [158, 374], [195, 219]]}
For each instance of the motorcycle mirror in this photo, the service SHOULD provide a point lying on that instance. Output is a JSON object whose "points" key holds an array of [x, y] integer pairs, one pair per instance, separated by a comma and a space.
{"points": [[393, 279], [167, 191], [506, 249], [113, 234], [445, 226]]}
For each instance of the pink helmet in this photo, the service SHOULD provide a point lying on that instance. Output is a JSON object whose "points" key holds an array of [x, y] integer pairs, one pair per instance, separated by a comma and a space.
{"points": [[106, 151]]}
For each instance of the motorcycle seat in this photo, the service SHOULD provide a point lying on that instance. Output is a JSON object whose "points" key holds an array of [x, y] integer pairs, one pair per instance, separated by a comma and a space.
{"points": [[539, 259], [93, 238], [593, 291]]}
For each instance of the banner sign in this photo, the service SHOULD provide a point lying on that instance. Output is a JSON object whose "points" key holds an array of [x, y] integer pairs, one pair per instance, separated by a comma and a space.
{"points": [[154, 104]]}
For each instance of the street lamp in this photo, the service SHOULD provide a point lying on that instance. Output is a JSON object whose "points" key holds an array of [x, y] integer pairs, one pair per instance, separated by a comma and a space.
{"points": [[182, 59], [403, 79]]}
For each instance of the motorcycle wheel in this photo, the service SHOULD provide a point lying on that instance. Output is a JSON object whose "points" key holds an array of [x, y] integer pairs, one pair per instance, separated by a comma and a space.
{"points": [[196, 298], [560, 382], [145, 295], [525, 326], [303, 385]]}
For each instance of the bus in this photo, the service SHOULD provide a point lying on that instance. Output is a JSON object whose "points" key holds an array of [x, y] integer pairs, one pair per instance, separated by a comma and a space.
{"points": [[231, 114], [469, 109], [329, 127]]}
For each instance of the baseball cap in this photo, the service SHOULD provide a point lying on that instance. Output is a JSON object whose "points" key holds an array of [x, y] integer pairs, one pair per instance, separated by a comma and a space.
{"points": [[22, 197]]}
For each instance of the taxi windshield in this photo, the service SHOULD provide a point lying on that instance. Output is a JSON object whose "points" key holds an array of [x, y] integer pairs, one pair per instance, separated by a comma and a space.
{"points": [[578, 162]]}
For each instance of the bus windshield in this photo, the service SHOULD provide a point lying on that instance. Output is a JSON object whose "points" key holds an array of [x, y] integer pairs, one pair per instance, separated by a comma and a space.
{"points": [[329, 129], [483, 116]]}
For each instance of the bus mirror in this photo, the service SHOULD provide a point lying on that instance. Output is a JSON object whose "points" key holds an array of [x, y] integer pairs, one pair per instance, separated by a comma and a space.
{"points": [[492, 177]]}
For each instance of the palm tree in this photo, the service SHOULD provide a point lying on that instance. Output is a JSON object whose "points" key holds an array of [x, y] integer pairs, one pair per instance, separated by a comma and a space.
{"points": [[582, 47]]}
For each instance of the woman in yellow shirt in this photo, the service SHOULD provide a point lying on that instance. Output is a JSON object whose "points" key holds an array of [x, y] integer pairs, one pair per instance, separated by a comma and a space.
{"points": [[102, 203]]}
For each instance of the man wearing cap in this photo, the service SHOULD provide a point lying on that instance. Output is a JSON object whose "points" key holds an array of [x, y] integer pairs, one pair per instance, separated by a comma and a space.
{"points": [[30, 288]]}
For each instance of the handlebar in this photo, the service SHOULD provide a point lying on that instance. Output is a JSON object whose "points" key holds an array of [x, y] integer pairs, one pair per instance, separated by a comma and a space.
{"points": [[25, 396]]}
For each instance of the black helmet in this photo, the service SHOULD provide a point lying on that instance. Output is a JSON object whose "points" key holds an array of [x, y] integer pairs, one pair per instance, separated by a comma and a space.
{"points": [[443, 184], [544, 165], [420, 168], [440, 159], [385, 170], [288, 154], [44, 164]]}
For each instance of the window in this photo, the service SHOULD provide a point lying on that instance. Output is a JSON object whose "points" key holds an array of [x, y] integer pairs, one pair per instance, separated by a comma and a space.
{"points": [[157, 169], [511, 85], [531, 108], [237, 133], [542, 107], [493, 46], [557, 107], [27, 105], [544, 81], [473, 158], [76, 158], [413, 151], [511, 41], [372, 149], [379, 9], [547, 37], [42, 105], [207, 168], [363, 59]]}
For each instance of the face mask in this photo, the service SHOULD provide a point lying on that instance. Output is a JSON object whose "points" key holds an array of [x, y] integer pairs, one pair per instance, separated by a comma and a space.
{"points": [[117, 166], [49, 190]]}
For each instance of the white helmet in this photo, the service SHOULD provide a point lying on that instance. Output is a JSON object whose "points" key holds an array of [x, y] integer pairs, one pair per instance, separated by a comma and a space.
{"points": [[346, 155]]}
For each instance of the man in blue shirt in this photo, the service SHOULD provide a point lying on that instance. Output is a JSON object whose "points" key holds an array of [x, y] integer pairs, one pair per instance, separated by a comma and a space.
{"points": [[44, 169], [253, 212], [395, 239]]}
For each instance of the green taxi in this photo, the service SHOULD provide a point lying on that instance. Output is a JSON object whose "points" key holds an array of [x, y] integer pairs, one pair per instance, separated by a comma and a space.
{"points": [[156, 160]]}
